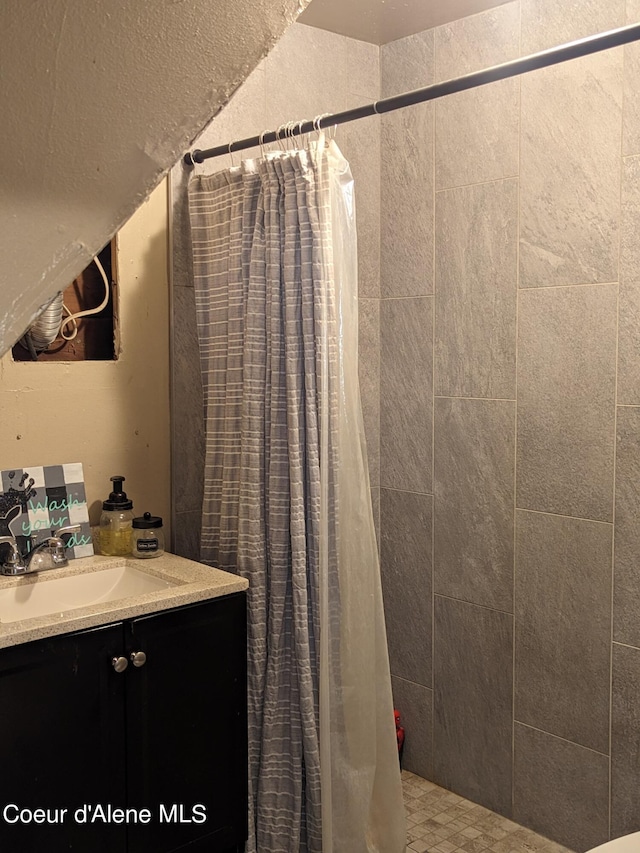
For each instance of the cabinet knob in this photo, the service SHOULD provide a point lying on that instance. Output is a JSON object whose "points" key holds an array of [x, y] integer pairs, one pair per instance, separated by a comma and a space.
{"points": [[119, 664], [138, 658]]}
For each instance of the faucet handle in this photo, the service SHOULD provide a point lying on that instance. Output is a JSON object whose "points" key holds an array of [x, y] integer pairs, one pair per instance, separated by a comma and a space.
{"points": [[60, 532], [14, 559], [56, 544]]}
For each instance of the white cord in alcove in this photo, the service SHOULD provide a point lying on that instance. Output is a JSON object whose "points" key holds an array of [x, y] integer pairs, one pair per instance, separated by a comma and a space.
{"points": [[73, 317]]}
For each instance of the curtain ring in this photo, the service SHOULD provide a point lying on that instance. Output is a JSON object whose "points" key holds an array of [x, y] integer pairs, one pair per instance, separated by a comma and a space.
{"points": [[291, 126], [262, 136], [279, 140], [231, 155], [301, 134], [284, 144], [191, 160], [317, 120]]}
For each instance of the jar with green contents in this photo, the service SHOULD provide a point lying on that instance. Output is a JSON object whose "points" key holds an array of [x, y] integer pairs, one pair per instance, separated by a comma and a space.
{"points": [[147, 536]]}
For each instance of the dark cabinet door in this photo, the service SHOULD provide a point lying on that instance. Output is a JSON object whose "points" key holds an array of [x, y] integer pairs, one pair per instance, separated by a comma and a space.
{"points": [[62, 730], [186, 727]]}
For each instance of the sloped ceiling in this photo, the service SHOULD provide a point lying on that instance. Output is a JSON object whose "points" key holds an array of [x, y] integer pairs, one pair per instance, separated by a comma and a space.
{"points": [[98, 101], [382, 21]]}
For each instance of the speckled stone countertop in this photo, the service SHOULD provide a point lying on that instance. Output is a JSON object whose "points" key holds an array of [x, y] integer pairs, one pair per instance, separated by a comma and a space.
{"points": [[193, 582]]}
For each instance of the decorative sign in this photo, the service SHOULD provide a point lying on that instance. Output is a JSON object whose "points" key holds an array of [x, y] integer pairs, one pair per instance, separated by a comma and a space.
{"points": [[37, 502]]}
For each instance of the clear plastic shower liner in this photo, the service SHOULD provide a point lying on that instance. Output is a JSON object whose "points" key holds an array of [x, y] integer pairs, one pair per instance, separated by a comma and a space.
{"points": [[359, 759]]}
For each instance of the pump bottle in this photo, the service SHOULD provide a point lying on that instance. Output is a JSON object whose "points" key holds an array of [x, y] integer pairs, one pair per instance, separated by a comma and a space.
{"points": [[116, 522]]}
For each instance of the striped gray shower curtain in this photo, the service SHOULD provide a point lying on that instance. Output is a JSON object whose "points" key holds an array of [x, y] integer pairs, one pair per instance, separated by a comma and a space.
{"points": [[287, 502]]}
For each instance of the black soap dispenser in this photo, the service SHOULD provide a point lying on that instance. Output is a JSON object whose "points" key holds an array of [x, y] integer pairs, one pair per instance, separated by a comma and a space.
{"points": [[116, 522]]}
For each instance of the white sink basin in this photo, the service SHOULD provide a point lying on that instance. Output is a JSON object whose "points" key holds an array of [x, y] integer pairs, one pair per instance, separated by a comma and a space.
{"points": [[51, 594]]}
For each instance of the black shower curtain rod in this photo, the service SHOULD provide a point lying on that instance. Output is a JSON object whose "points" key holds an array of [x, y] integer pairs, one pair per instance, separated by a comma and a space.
{"points": [[553, 56]]}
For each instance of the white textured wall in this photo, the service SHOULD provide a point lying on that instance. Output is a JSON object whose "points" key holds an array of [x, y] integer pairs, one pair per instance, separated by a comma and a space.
{"points": [[98, 100]]}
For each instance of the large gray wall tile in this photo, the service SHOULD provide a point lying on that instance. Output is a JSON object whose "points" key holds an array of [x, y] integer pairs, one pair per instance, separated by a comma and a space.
{"points": [[629, 243], [474, 499], [406, 394], [406, 212], [187, 418], [477, 41], [363, 68], [181, 255], [473, 713], [476, 290], [477, 131], [566, 389], [186, 535], [569, 172], [406, 172], [408, 63], [631, 115], [406, 523], [415, 704], [629, 343], [369, 370], [546, 23], [560, 789], [626, 598], [477, 135], [625, 741], [308, 67], [563, 627]]}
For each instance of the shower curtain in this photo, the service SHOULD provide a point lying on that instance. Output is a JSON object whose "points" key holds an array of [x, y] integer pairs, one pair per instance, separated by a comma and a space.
{"points": [[287, 501]]}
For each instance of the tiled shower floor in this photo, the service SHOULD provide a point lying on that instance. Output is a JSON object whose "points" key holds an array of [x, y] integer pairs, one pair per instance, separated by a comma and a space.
{"points": [[441, 822]]}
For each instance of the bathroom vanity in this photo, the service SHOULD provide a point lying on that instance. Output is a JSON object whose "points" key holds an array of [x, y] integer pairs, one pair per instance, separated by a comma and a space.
{"points": [[124, 721]]}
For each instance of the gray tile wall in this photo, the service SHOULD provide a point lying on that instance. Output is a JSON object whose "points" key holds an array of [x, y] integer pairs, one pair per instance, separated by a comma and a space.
{"points": [[473, 702], [500, 371], [474, 500], [535, 193], [560, 789]]}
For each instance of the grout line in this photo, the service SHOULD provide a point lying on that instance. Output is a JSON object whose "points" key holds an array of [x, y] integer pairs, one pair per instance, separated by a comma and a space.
{"points": [[560, 515], [515, 434], [406, 491], [433, 418], [481, 399], [409, 681], [415, 296], [626, 645], [615, 444], [472, 603], [544, 287], [627, 405], [501, 180], [559, 737]]}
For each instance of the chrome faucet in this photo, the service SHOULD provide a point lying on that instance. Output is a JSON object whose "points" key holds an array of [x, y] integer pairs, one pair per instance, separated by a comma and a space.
{"points": [[48, 554]]}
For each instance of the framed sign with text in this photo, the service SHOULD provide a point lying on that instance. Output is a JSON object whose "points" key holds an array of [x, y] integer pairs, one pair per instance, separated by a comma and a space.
{"points": [[36, 502]]}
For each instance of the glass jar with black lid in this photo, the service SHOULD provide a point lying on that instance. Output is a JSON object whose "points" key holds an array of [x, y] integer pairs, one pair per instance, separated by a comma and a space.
{"points": [[147, 536]]}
